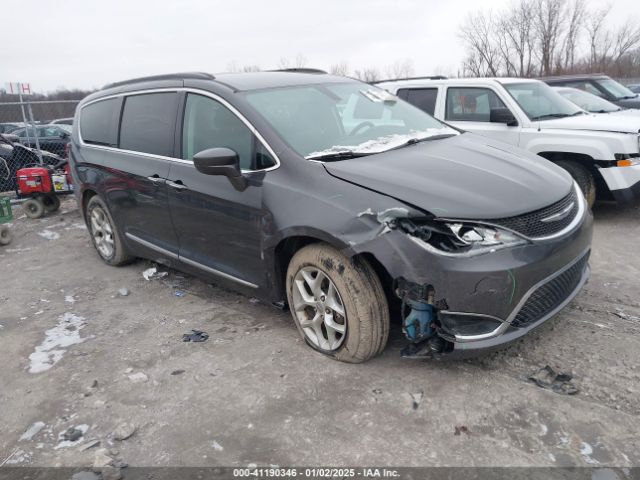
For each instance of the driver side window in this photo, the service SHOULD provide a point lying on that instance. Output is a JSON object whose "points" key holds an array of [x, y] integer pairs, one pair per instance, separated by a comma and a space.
{"points": [[472, 104], [209, 124]]}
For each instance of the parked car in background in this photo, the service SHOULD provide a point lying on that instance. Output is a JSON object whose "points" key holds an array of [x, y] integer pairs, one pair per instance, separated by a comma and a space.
{"points": [[594, 104], [602, 153], [8, 127], [52, 138], [634, 87], [62, 121], [600, 85], [267, 182]]}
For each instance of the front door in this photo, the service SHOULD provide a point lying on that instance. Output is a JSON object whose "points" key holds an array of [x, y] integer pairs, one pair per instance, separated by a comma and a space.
{"points": [[469, 108], [218, 227]]}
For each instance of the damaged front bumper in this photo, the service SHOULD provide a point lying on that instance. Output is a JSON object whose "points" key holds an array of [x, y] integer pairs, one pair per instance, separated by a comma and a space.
{"points": [[487, 301]]}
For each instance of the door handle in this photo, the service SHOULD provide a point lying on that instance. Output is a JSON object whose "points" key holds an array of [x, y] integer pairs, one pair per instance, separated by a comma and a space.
{"points": [[178, 185], [156, 179]]}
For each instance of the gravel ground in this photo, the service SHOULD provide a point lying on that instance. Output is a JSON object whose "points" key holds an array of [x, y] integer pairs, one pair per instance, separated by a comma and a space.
{"points": [[253, 393]]}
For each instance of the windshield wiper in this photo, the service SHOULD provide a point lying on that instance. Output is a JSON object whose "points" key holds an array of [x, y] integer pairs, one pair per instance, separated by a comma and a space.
{"points": [[628, 97], [413, 141], [557, 115], [340, 155]]}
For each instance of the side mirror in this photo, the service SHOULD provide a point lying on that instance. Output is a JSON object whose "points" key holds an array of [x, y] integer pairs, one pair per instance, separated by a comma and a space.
{"points": [[502, 115], [221, 161]]}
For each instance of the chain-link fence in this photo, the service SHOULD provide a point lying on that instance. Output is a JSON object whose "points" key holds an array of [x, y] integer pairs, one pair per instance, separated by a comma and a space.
{"points": [[32, 134]]}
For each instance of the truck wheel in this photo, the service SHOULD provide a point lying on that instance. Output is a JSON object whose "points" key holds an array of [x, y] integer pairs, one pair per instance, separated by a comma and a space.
{"points": [[51, 203], [338, 304], [5, 235], [33, 208], [583, 177], [104, 234]]}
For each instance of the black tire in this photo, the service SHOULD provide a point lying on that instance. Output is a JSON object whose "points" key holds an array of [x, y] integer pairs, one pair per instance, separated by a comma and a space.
{"points": [[51, 203], [583, 177], [33, 208], [5, 235], [362, 297], [119, 255]]}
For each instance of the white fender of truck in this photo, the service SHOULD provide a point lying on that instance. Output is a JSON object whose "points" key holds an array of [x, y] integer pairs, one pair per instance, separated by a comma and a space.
{"points": [[596, 145]]}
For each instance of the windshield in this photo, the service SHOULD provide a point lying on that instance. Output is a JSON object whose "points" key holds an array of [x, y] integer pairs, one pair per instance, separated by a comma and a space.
{"points": [[540, 102], [615, 89], [588, 101], [324, 120]]}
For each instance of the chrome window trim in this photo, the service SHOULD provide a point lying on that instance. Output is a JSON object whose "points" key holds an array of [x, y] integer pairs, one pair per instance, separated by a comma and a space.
{"points": [[197, 91], [188, 261]]}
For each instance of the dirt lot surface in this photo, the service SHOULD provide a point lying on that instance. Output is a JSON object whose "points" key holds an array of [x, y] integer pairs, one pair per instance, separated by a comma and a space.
{"points": [[76, 353]]}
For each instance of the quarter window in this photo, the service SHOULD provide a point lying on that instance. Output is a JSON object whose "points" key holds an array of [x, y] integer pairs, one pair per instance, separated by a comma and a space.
{"points": [[148, 123], [423, 98], [209, 124], [98, 122], [471, 104]]}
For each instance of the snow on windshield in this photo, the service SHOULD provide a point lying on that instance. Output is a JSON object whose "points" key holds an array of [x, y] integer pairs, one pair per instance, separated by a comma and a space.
{"points": [[384, 143]]}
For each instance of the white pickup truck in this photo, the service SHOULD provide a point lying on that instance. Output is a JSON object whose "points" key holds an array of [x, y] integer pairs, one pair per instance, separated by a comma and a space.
{"points": [[601, 152]]}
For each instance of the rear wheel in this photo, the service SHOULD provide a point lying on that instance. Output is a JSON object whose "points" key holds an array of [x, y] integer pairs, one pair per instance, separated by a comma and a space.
{"points": [[5, 235], [583, 177], [104, 234], [51, 203], [33, 208], [338, 304]]}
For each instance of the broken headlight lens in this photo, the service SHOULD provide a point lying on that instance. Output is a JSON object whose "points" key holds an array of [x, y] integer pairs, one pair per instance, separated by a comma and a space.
{"points": [[459, 238]]}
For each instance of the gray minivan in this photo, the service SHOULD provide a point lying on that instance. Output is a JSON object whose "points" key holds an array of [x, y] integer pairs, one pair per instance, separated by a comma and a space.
{"points": [[336, 199]]}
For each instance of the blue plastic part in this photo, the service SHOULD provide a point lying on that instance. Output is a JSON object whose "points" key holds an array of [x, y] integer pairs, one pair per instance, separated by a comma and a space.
{"points": [[417, 325]]}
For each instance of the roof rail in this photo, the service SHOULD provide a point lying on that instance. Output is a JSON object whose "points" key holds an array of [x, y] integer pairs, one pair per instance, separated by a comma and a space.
{"points": [[299, 70], [574, 75], [430, 77], [168, 76]]}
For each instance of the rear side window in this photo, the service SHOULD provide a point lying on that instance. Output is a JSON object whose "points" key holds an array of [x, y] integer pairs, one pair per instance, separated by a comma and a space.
{"points": [[423, 98], [148, 123], [98, 122], [471, 104]]}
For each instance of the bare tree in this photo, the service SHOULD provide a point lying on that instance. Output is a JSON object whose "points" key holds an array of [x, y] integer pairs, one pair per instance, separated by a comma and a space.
{"points": [[484, 53], [368, 75], [575, 22], [400, 69], [515, 39], [548, 22], [599, 38], [341, 68]]}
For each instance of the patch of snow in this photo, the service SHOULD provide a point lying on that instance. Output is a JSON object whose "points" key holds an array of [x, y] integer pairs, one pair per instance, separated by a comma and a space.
{"points": [[32, 431], [18, 250], [69, 299], [76, 226], [152, 273], [382, 144], [57, 339], [216, 446], [49, 235], [19, 456], [586, 450]]}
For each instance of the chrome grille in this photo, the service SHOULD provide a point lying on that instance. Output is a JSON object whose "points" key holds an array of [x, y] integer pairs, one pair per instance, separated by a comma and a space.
{"points": [[550, 295], [531, 224]]}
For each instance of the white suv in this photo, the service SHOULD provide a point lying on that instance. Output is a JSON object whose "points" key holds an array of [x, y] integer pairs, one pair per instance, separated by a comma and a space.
{"points": [[602, 153]]}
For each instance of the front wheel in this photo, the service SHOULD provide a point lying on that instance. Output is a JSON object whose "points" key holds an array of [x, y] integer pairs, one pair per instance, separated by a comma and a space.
{"points": [[338, 304], [583, 177], [33, 208], [104, 234]]}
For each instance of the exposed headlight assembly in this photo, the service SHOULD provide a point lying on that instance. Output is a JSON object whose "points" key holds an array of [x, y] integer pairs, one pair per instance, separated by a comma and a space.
{"points": [[459, 238]]}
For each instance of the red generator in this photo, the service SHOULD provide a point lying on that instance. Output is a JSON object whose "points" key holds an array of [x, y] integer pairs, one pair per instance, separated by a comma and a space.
{"points": [[43, 184]]}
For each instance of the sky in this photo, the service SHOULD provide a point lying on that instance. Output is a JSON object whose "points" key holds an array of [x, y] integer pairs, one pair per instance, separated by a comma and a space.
{"points": [[86, 44]]}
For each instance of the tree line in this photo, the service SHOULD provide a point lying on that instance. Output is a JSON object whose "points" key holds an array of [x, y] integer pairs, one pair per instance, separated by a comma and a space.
{"points": [[549, 37]]}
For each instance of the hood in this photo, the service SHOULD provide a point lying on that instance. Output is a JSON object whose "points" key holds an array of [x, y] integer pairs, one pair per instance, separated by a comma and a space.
{"points": [[594, 122], [466, 176], [629, 112], [629, 102]]}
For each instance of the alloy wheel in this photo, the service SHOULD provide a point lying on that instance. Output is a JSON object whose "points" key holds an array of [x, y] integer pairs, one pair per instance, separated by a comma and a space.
{"points": [[102, 232], [319, 308]]}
